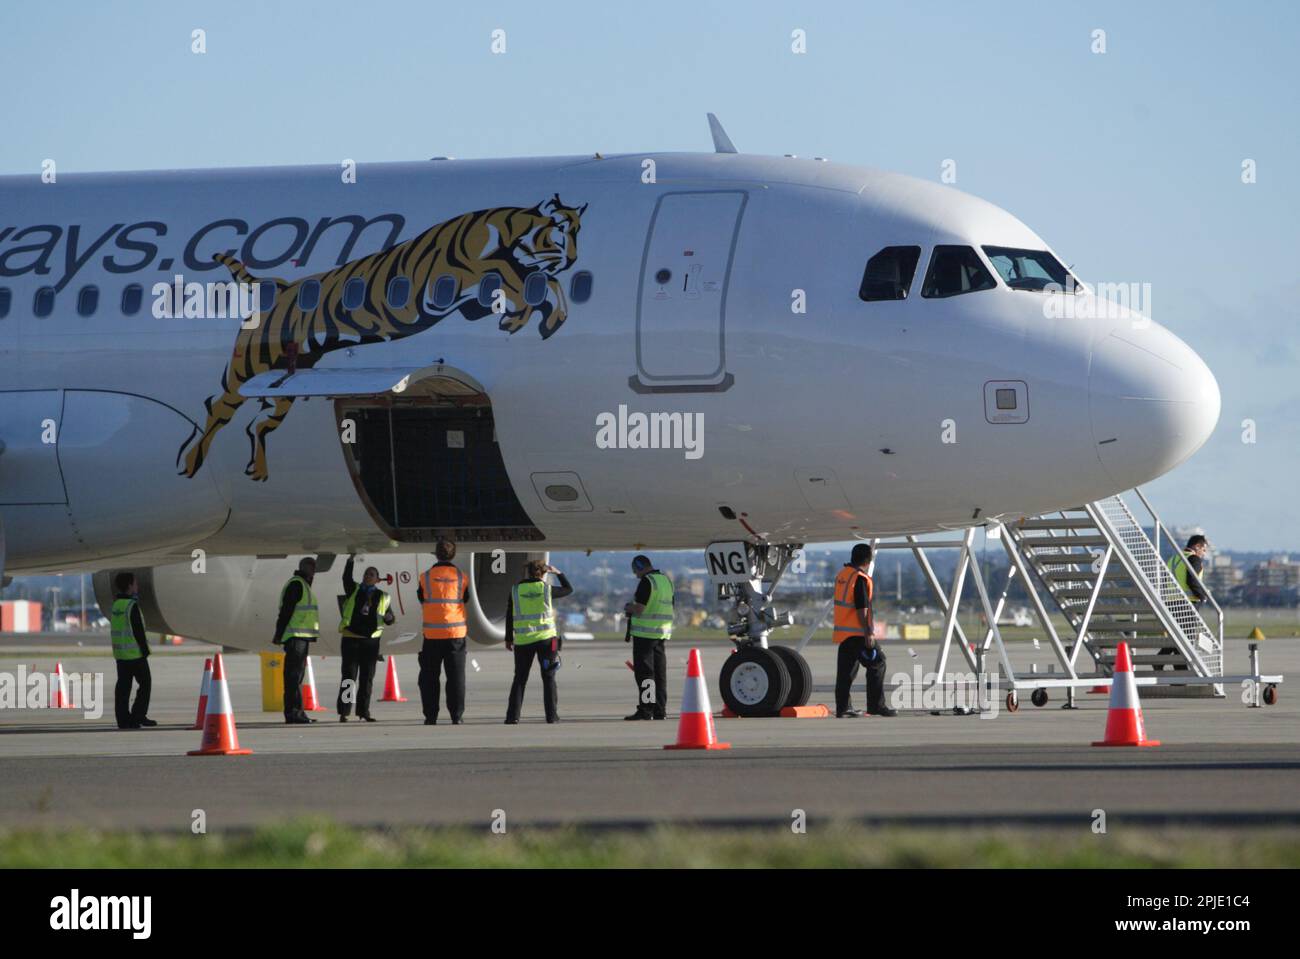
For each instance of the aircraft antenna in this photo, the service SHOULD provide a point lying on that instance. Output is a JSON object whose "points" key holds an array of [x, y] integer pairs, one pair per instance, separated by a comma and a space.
{"points": [[721, 142]]}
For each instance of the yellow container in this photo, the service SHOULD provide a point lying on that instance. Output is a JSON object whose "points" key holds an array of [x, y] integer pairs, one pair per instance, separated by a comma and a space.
{"points": [[272, 682], [916, 631]]}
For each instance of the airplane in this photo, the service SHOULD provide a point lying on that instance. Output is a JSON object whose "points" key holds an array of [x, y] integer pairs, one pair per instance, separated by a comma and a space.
{"points": [[205, 375]]}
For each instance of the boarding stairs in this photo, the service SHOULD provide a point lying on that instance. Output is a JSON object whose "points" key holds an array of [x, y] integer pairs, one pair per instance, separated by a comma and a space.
{"points": [[1111, 582]]}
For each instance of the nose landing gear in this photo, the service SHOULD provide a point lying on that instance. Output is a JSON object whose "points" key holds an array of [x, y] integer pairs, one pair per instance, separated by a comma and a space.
{"points": [[757, 679]]}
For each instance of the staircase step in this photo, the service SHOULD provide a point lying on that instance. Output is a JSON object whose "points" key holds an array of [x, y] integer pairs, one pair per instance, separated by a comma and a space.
{"points": [[1100, 643], [1073, 540], [1083, 577], [1106, 593], [1072, 522]]}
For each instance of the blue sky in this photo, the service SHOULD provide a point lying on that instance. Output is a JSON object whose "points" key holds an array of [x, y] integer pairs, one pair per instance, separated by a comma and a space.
{"points": [[1127, 162]]}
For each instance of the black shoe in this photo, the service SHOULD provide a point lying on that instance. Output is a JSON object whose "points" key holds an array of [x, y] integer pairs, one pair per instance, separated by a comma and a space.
{"points": [[129, 726], [553, 720], [849, 714], [147, 722], [343, 719], [455, 722], [883, 711], [663, 716], [636, 716], [512, 722], [431, 722], [368, 718]]}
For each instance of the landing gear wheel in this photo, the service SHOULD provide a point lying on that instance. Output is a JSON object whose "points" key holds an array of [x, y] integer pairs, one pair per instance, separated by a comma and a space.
{"points": [[1270, 695], [754, 682], [800, 675], [1038, 697], [1013, 702]]}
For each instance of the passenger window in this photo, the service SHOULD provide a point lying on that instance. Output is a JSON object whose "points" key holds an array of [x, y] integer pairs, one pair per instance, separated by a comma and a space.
{"points": [[132, 297], [44, 303], [399, 292], [444, 292], [955, 270], [354, 293], [266, 291], [88, 300], [6, 300], [535, 288], [309, 296], [580, 287], [487, 288], [889, 274]]}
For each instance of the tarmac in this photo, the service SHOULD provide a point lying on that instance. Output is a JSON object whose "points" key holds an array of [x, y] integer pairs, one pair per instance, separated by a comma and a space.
{"points": [[1222, 763]]}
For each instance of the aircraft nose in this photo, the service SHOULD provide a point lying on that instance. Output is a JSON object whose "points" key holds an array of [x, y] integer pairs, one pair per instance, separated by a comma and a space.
{"points": [[1153, 402]]}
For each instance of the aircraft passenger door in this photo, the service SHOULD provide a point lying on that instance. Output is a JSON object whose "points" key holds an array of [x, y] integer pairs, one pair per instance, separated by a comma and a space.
{"points": [[682, 298]]}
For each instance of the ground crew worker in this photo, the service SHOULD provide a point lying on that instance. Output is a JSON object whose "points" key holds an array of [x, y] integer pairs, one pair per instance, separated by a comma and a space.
{"points": [[531, 633], [854, 633], [1186, 569], [130, 654], [443, 592], [296, 628], [650, 625], [365, 614]]}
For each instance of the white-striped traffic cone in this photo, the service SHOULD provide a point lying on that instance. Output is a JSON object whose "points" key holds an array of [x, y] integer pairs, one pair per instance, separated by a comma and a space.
{"points": [[1124, 726], [205, 686], [219, 735], [60, 699], [310, 701], [695, 728]]}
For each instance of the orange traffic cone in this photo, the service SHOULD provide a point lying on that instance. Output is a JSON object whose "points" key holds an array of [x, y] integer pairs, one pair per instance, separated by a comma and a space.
{"points": [[219, 736], [310, 702], [60, 700], [392, 688], [205, 687], [695, 728], [1124, 726]]}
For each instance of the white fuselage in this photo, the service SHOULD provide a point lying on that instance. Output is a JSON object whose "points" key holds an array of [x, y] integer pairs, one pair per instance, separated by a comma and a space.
{"points": [[823, 417]]}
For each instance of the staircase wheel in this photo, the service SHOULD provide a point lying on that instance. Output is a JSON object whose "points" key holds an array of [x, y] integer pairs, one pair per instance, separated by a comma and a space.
{"points": [[1013, 702], [1270, 695], [1038, 697]]}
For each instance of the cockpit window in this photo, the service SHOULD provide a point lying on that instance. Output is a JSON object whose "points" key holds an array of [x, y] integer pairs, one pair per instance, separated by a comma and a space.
{"points": [[889, 273], [955, 270], [1029, 269]]}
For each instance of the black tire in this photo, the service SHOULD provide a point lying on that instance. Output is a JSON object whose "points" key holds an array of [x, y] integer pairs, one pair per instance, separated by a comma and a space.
{"points": [[1270, 695], [1038, 697], [1013, 702], [754, 682], [801, 681]]}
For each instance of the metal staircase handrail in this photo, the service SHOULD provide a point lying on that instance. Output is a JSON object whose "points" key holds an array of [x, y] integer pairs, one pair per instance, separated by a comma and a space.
{"points": [[1163, 595], [1163, 532]]}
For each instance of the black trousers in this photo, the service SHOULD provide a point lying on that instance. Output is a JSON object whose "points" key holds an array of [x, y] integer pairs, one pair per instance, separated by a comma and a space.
{"points": [[131, 671], [295, 665], [359, 658], [524, 655], [435, 656], [846, 670], [650, 661]]}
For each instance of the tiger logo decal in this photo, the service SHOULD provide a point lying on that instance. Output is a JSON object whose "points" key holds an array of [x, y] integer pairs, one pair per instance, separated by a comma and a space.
{"points": [[491, 255]]}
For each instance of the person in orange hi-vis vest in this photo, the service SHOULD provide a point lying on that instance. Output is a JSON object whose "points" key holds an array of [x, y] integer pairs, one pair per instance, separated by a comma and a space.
{"points": [[443, 592], [854, 628]]}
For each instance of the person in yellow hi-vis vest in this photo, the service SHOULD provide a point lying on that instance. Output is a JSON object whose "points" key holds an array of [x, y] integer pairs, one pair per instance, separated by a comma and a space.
{"points": [[532, 633], [130, 654], [650, 625], [1186, 569], [365, 614], [296, 628]]}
